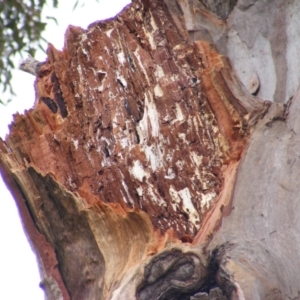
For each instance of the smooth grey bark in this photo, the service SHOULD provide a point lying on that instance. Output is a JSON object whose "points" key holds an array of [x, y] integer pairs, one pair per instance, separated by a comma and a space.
{"points": [[259, 37]]}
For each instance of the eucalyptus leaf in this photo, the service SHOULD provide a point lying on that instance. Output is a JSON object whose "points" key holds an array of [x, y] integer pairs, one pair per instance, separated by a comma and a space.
{"points": [[21, 29]]}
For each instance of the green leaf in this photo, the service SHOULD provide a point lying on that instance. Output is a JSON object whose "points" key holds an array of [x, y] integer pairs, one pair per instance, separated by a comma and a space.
{"points": [[75, 5], [53, 19], [21, 29]]}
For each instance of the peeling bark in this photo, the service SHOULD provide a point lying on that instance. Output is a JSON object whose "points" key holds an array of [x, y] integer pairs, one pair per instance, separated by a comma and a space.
{"points": [[258, 37], [140, 171]]}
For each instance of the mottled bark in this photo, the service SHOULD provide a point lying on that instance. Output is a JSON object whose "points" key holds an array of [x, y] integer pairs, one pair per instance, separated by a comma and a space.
{"points": [[260, 37], [124, 170], [222, 8]]}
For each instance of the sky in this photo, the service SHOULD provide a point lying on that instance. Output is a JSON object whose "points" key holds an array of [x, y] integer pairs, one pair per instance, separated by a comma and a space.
{"points": [[19, 276]]}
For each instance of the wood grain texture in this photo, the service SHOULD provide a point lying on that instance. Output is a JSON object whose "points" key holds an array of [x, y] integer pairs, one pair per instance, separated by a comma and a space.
{"points": [[127, 161]]}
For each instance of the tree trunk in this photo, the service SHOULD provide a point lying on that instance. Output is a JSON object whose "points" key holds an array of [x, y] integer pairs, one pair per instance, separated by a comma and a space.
{"points": [[148, 170]]}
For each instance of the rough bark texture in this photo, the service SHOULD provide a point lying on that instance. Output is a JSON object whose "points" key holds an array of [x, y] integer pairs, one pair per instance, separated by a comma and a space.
{"points": [[125, 169]]}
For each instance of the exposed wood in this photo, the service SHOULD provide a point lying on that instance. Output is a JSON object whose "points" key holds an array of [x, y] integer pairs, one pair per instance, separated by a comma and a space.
{"points": [[145, 169]]}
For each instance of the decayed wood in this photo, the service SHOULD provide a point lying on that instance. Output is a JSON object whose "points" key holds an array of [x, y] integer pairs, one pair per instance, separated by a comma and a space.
{"points": [[126, 165]]}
